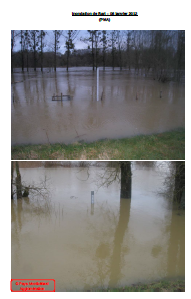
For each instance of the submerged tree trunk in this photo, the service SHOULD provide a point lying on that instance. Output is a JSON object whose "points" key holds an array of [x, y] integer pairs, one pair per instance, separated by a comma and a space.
{"points": [[55, 47], [41, 47], [12, 46], [34, 54], [27, 49], [126, 179], [67, 62], [104, 41], [18, 181], [93, 50], [179, 182], [113, 40], [12, 171], [68, 46], [22, 52]]}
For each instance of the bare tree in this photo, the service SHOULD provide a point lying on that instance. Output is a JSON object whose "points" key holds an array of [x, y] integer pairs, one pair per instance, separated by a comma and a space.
{"points": [[70, 37], [180, 52], [117, 172], [12, 170], [125, 179], [113, 46], [104, 46], [22, 50], [179, 187], [57, 34], [21, 189], [92, 39], [34, 45], [14, 35], [129, 39], [174, 184], [119, 43], [42, 36], [26, 47], [18, 182]]}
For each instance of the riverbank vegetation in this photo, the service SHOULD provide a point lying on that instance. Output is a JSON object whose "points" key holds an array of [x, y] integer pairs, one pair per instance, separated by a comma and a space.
{"points": [[163, 146], [160, 286]]}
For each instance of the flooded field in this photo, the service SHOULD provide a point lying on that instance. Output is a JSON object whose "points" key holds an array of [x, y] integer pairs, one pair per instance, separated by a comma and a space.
{"points": [[111, 242], [130, 105]]}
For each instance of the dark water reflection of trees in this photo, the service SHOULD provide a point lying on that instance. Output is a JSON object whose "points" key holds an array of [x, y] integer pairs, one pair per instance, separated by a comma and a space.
{"points": [[119, 114]]}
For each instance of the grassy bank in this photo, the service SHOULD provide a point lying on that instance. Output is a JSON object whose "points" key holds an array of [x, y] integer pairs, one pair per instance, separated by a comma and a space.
{"points": [[163, 146], [160, 286]]}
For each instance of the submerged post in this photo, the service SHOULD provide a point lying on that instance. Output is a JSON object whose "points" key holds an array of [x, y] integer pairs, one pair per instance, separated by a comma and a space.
{"points": [[61, 96], [97, 84], [160, 93], [92, 197], [102, 96]]}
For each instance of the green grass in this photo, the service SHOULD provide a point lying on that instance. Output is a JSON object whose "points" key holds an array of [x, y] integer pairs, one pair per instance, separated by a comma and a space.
{"points": [[163, 146], [160, 286]]}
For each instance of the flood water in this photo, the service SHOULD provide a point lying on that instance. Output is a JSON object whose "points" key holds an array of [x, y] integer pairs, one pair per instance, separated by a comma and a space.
{"points": [[113, 242], [130, 105]]}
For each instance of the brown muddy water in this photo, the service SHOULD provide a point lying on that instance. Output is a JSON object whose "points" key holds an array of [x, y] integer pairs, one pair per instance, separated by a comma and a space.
{"points": [[131, 105], [111, 242]]}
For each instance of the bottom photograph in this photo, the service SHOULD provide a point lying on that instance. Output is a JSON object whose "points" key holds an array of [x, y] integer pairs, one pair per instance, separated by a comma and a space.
{"points": [[79, 226]]}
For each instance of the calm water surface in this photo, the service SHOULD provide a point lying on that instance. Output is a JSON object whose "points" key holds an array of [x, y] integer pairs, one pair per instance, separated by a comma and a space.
{"points": [[130, 105], [113, 242]]}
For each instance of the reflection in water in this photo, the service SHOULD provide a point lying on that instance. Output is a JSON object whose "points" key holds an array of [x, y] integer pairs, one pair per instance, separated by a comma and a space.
{"points": [[119, 114], [176, 250], [124, 215], [115, 241], [116, 262], [92, 208]]}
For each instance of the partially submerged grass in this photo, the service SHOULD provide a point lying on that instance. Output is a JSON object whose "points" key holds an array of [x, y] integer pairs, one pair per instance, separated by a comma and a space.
{"points": [[170, 285], [163, 146], [160, 286]]}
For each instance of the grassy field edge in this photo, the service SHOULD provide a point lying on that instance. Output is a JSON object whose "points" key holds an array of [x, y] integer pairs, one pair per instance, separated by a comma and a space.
{"points": [[162, 146]]}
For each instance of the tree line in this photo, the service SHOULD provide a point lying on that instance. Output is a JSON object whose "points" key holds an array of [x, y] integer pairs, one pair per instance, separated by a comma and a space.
{"points": [[156, 51]]}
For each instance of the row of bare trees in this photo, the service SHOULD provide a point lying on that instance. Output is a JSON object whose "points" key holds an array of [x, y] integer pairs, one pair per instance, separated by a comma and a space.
{"points": [[33, 42], [156, 50]]}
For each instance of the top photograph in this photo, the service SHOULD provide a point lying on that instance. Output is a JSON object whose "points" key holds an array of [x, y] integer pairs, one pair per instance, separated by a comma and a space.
{"points": [[97, 94]]}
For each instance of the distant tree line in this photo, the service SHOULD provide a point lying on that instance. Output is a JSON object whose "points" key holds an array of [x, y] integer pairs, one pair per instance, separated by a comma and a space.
{"points": [[158, 51]]}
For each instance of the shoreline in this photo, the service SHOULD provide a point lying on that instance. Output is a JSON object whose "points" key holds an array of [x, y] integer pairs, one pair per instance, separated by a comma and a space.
{"points": [[160, 146], [164, 285]]}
